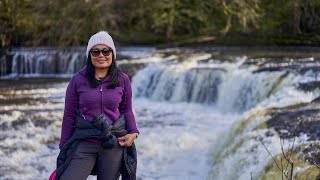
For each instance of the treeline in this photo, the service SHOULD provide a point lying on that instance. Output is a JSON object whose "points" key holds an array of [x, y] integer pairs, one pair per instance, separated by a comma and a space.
{"points": [[71, 22]]}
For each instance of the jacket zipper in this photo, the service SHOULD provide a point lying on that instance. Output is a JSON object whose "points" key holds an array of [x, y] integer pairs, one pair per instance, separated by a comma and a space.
{"points": [[101, 97]]}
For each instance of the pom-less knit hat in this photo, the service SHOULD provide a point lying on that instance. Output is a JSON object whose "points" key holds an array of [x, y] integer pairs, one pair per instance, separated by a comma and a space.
{"points": [[101, 37]]}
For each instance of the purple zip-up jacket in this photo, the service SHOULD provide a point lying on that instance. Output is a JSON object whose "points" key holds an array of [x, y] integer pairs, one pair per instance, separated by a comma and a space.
{"points": [[92, 102]]}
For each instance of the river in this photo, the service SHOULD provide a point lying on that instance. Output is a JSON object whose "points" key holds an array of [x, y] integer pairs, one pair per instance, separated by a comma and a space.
{"points": [[203, 113]]}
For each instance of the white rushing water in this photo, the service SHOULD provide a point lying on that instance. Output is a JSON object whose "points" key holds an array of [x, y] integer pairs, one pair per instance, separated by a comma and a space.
{"points": [[187, 114], [172, 136], [52, 62], [232, 93]]}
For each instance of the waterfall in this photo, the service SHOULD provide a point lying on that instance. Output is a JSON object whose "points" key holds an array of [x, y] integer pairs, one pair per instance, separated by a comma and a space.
{"points": [[248, 95], [229, 87], [41, 62], [241, 89], [178, 83]]}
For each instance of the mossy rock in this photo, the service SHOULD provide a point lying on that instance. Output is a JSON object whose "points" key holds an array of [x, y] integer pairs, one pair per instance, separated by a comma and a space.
{"points": [[303, 168]]}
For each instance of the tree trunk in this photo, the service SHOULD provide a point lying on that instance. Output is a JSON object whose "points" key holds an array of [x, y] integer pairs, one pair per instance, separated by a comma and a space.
{"points": [[171, 20]]}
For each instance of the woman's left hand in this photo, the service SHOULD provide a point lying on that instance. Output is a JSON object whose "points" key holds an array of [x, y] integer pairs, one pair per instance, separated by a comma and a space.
{"points": [[127, 140]]}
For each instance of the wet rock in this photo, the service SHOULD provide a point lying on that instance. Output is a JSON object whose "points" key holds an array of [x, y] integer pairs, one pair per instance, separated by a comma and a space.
{"points": [[290, 68], [20, 123], [316, 100], [309, 86], [42, 123], [131, 69], [297, 65], [311, 154], [159, 123], [5, 126], [297, 68], [289, 124], [314, 68]]}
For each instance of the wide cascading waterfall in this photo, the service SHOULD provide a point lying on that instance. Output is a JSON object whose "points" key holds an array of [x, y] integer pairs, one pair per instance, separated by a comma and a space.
{"points": [[227, 86]]}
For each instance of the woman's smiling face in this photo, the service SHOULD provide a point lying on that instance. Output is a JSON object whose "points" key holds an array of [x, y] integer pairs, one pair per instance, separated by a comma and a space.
{"points": [[103, 60]]}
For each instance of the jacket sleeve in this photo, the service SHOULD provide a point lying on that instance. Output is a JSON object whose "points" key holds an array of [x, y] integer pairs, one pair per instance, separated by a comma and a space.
{"points": [[125, 106], [71, 105]]}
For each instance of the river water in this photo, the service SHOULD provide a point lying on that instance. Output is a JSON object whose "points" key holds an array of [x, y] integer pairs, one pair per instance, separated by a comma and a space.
{"points": [[191, 109]]}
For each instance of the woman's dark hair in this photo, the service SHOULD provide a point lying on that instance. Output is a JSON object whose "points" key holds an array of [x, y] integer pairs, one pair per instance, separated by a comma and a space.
{"points": [[113, 71]]}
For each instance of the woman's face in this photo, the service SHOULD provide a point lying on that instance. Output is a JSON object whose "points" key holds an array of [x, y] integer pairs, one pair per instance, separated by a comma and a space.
{"points": [[101, 56]]}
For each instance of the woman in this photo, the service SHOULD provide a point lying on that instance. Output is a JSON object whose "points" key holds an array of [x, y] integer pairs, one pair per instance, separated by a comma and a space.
{"points": [[102, 89]]}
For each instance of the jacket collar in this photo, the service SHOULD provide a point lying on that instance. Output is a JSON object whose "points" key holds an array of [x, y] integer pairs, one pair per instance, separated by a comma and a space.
{"points": [[83, 72]]}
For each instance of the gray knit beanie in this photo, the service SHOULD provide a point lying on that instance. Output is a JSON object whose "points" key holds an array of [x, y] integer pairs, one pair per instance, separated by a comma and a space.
{"points": [[101, 37]]}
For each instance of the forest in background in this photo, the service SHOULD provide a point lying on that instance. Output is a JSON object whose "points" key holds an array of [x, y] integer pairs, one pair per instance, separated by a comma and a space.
{"points": [[223, 22]]}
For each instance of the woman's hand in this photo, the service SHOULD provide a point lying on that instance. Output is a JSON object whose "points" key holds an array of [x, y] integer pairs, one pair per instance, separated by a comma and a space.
{"points": [[127, 140]]}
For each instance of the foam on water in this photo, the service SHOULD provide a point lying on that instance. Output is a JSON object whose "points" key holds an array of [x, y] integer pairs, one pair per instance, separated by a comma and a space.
{"points": [[175, 135]]}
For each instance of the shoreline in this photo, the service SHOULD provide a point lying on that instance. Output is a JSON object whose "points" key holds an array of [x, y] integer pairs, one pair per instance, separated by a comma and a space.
{"points": [[217, 51]]}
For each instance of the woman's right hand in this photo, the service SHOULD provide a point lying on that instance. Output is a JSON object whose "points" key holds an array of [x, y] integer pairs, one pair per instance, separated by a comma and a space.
{"points": [[127, 140]]}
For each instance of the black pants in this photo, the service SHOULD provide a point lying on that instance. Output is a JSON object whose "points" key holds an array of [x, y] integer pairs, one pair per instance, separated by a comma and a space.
{"points": [[87, 154]]}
